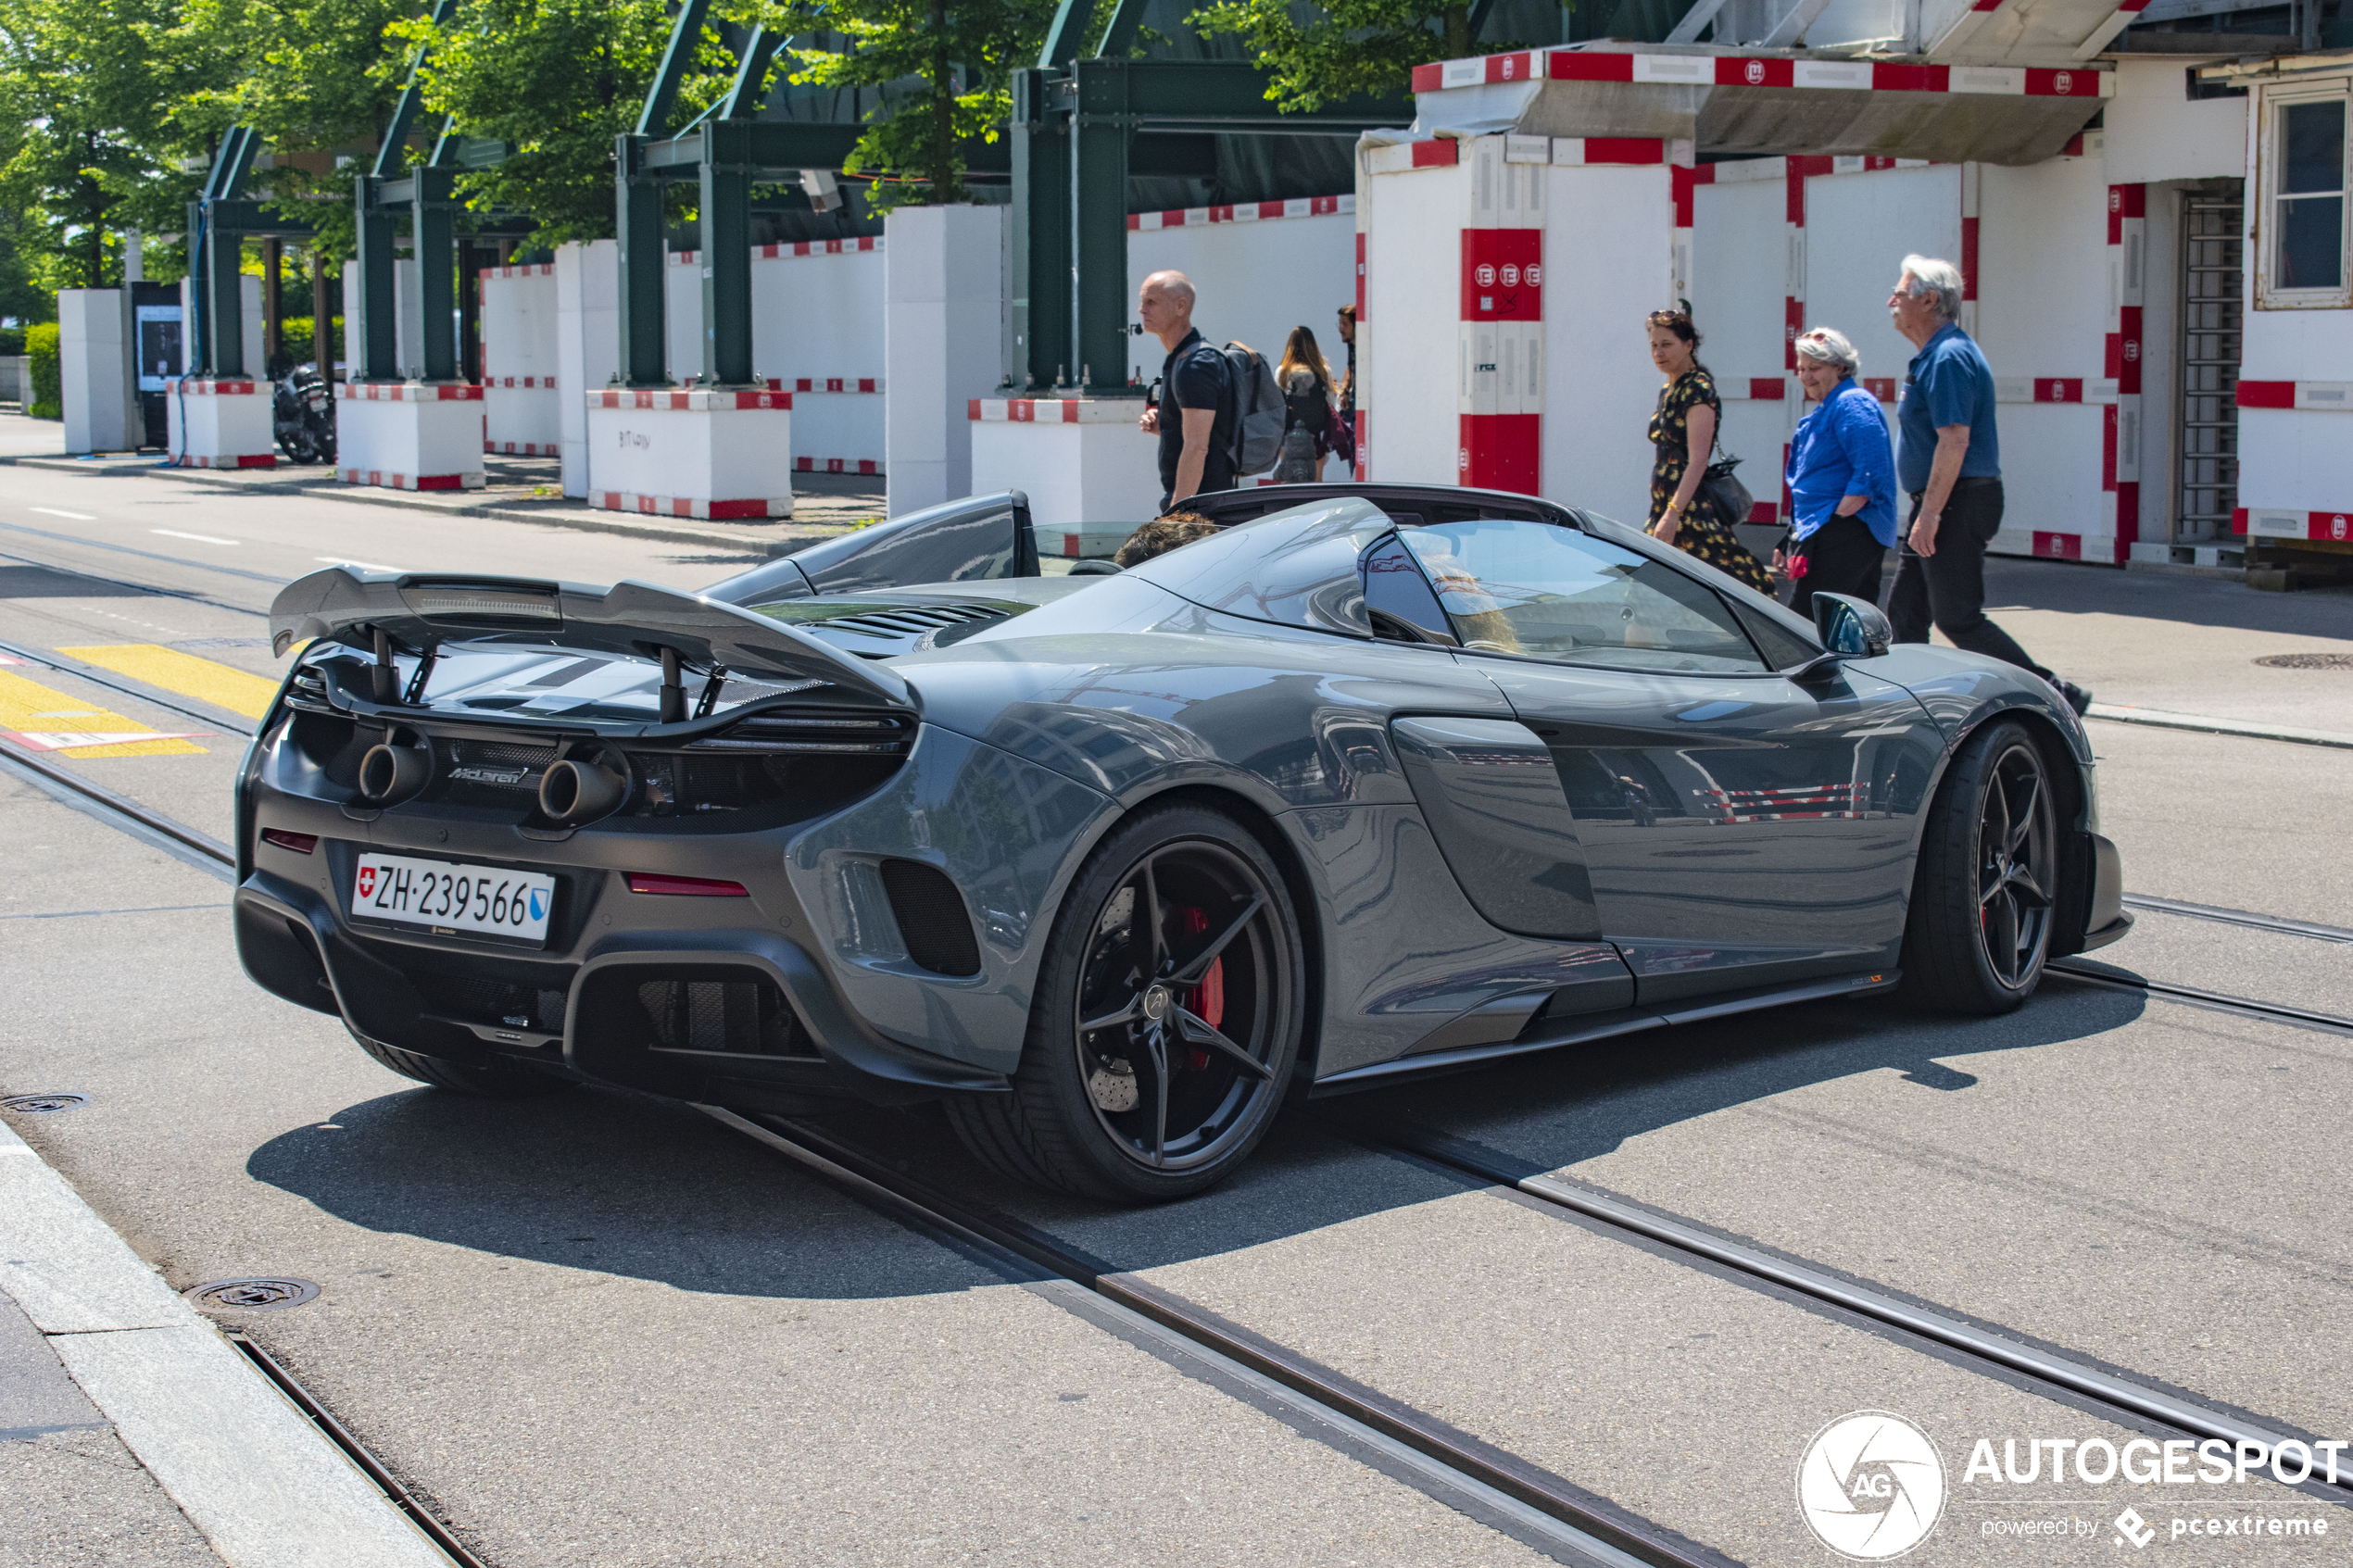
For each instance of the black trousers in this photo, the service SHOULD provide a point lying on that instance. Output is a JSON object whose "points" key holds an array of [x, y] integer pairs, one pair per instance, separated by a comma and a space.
{"points": [[1841, 557], [1947, 589]]}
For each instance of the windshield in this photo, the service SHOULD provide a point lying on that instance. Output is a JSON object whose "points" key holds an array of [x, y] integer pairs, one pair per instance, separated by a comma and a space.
{"points": [[1295, 568], [1543, 592]]}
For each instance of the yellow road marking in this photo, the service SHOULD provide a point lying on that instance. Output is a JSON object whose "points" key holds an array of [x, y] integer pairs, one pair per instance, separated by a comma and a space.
{"points": [[28, 706], [171, 670]]}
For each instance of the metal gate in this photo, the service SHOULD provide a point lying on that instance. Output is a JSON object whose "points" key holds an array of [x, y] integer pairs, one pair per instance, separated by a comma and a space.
{"points": [[2207, 437]]}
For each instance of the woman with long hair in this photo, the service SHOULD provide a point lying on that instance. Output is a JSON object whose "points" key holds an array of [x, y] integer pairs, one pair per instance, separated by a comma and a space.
{"points": [[1682, 432], [1306, 384]]}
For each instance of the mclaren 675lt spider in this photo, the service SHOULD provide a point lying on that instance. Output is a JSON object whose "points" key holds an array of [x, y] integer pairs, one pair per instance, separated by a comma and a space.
{"points": [[1115, 865]]}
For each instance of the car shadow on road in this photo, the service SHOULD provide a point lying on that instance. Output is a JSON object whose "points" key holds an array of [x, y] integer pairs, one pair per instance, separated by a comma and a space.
{"points": [[605, 1181], [624, 1183], [1549, 1110]]}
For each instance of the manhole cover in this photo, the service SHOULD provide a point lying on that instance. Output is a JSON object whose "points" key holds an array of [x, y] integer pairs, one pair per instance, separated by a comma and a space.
{"points": [[2307, 661], [251, 1294], [31, 1104]]}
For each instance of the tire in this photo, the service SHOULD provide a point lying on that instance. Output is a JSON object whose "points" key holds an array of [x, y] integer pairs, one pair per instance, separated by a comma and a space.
{"points": [[498, 1080], [1984, 893], [1158, 1049]]}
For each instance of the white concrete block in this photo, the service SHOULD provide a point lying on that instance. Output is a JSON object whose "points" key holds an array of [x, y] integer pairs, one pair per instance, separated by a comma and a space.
{"points": [[943, 342], [410, 436], [219, 424], [691, 452], [95, 371], [1102, 472], [588, 344]]}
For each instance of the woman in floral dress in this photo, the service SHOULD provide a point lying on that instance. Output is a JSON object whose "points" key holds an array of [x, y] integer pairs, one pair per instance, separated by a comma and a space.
{"points": [[1682, 432]]}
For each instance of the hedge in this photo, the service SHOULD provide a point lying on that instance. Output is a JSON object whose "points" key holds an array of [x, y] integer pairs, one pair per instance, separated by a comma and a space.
{"points": [[48, 393]]}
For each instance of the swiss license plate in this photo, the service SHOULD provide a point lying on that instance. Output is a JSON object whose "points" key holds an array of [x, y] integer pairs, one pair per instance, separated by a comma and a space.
{"points": [[445, 896]]}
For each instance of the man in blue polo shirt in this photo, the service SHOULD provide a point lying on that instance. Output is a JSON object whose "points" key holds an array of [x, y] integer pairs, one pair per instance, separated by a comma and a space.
{"points": [[1948, 458]]}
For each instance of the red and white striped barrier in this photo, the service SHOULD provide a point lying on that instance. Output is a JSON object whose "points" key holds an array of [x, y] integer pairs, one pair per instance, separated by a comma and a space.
{"points": [[689, 507], [385, 479], [696, 452], [1244, 212], [220, 423], [2332, 397], [408, 392], [410, 436], [1576, 64]]}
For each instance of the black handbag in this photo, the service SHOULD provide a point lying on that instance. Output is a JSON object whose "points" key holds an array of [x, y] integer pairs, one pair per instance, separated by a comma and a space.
{"points": [[1722, 489]]}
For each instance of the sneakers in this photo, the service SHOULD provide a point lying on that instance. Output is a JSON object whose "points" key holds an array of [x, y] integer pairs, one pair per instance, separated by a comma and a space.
{"points": [[2077, 697]]}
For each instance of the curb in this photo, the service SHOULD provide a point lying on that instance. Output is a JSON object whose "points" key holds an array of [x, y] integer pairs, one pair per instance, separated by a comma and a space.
{"points": [[371, 496], [2159, 719], [262, 1485]]}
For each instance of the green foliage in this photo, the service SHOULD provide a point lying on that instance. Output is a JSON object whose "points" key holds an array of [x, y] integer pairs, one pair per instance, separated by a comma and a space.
{"points": [[48, 392], [947, 71], [11, 342], [312, 83], [557, 80], [100, 102], [1344, 47]]}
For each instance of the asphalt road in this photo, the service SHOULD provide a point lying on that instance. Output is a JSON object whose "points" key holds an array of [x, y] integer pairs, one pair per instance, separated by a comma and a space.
{"points": [[598, 1328]]}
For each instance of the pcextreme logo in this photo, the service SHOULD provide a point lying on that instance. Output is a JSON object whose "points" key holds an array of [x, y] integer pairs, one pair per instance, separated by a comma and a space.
{"points": [[1870, 1485]]}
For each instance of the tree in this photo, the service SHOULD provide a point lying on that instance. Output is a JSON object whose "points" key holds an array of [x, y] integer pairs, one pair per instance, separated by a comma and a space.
{"points": [[557, 80], [313, 83], [947, 71], [103, 102], [1347, 47]]}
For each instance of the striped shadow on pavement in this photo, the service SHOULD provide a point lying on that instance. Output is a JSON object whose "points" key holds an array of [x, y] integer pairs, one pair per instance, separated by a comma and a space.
{"points": [[184, 675], [33, 715]]}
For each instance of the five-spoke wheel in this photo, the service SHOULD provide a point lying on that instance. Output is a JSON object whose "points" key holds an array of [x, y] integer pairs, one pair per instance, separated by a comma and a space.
{"points": [[1167, 1019], [1985, 887]]}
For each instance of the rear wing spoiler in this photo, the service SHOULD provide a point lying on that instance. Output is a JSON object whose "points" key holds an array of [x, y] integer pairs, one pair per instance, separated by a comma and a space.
{"points": [[416, 611]]}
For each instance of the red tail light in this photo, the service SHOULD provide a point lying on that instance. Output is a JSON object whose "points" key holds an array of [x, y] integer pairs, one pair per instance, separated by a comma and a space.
{"points": [[640, 881], [300, 843]]}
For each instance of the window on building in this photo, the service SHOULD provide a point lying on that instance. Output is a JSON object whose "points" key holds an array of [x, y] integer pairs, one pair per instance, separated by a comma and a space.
{"points": [[2305, 251]]}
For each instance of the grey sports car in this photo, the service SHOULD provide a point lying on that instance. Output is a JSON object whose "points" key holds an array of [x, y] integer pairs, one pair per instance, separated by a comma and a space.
{"points": [[1112, 864]]}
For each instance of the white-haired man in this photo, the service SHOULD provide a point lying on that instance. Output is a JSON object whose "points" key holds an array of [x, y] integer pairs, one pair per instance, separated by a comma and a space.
{"points": [[1948, 458], [1197, 445]]}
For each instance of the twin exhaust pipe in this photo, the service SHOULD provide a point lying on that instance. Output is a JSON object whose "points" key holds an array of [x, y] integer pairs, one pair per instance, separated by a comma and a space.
{"points": [[571, 792]]}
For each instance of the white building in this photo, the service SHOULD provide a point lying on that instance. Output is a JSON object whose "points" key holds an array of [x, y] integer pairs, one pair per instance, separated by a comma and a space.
{"points": [[2098, 205]]}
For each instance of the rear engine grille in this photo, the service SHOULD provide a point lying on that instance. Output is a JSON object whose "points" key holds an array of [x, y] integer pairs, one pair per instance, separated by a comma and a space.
{"points": [[914, 620], [487, 773], [745, 1017], [932, 919]]}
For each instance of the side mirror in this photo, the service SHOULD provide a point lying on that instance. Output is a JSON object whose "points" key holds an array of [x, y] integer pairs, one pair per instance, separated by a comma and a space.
{"points": [[1851, 628]]}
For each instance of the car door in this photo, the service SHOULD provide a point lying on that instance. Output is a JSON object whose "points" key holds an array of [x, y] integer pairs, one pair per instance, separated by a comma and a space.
{"points": [[1739, 827]]}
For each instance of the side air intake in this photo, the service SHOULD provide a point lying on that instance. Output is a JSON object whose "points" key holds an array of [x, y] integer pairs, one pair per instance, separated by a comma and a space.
{"points": [[931, 917]]}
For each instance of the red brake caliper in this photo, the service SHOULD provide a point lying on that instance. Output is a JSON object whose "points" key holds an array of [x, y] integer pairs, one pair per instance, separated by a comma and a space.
{"points": [[1208, 998]]}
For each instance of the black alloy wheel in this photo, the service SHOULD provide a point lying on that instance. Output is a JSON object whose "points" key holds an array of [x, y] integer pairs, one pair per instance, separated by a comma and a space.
{"points": [[1986, 885], [2017, 868], [1167, 1022]]}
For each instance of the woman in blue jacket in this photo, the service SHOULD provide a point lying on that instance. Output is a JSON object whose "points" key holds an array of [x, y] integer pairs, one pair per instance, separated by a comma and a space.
{"points": [[1841, 478]]}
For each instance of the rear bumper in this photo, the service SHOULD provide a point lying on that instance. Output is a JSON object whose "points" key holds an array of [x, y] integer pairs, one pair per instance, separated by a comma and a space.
{"points": [[731, 1014]]}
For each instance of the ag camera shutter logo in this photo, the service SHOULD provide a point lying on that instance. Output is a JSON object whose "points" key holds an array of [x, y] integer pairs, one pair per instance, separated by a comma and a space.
{"points": [[1870, 1485]]}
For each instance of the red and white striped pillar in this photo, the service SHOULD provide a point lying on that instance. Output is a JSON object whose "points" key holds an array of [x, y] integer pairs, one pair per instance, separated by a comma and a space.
{"points": [[1793, 303], [2120, 437], [1972, 185], [1500, 383], [1684, 177]]}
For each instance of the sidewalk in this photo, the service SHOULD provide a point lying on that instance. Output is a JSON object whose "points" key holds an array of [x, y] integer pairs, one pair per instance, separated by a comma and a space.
{"points": [[136, 1435], [519, 490]]}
